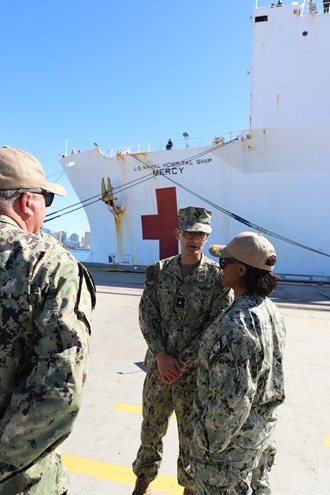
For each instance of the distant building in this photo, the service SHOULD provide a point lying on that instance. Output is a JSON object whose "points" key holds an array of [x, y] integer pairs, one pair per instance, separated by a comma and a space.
{"points": [[74, 238], [87, 240], [60, 236], [71, 244]]}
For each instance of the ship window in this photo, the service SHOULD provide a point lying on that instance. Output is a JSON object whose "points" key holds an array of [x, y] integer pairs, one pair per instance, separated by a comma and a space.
{"points": [[261, 18]]}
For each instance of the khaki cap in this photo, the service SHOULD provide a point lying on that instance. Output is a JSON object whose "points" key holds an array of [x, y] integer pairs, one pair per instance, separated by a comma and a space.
{"points": [[193, 219], [250, 248], [20, 170]]}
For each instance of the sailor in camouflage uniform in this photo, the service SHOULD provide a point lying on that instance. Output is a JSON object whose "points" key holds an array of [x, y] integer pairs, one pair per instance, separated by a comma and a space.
{"points": [[182, 295], [45, 314], [240, 377]]}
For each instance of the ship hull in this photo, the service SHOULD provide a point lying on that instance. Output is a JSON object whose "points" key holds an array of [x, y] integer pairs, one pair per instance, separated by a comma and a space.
{"points": [[249, 184]]}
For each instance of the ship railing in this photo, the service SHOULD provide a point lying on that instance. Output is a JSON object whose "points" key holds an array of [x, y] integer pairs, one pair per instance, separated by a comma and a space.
{"points": [[187, 142], [299, 8]]}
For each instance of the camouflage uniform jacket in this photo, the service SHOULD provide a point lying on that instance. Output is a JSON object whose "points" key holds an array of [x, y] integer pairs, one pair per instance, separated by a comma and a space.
{"points": [[45, 312], [240, 381], [175, 310]]}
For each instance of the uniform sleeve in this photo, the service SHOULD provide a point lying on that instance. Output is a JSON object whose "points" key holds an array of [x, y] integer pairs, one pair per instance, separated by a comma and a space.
{"points": [[149, 314], [232, 386], [45, 404], [221, 299]]}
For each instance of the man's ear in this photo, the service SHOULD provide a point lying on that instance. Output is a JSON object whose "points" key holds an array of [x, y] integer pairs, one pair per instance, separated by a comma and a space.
{"points": [[177, 234], [25, 202]]}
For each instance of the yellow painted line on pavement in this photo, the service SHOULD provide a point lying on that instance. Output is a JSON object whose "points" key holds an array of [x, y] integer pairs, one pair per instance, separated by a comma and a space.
{"points": [[116, 304], [305, 327], [326, 442], [118, 474], [304, 318], [132, 409], [128, 408]]}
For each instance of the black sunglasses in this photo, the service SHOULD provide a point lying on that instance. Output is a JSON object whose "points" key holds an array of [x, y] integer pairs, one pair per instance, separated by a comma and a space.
{"points": [[49, 196], [227, 261]]}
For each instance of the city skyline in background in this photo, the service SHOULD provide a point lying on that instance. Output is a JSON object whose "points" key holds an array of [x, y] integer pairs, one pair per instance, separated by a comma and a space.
{"points": [[72, 240]]}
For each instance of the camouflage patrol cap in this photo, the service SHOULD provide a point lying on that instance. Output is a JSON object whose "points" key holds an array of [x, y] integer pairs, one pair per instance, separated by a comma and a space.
{"points": [[20, 170], [250, 248], [193, 219]]}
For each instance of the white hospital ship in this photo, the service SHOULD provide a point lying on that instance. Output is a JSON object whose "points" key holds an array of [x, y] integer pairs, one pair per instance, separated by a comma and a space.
{"points": [[273, 177]]}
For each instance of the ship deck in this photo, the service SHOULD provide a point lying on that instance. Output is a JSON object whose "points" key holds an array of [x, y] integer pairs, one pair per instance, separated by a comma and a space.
{"points": [[105, 439]]}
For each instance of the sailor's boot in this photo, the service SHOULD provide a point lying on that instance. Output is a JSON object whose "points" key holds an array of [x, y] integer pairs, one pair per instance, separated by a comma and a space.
{"points": [[186, 491], [142, 487]]}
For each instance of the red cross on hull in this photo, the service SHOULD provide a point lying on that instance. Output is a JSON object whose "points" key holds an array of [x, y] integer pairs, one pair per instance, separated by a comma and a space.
{"points": [[161, 226]]}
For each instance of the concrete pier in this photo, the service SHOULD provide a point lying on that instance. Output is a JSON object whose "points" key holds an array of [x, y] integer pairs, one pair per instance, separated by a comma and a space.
{"points": [[100, 451]]}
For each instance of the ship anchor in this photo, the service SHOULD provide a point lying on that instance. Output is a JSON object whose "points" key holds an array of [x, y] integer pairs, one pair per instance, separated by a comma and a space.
{"points": [[109, 199]]}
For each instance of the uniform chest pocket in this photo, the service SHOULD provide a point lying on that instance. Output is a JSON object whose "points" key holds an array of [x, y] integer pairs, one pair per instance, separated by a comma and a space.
{"points": [[166, 296], [198, 305]]}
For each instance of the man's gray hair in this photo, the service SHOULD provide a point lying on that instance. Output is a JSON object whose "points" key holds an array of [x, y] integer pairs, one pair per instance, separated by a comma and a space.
{"points": [[9, 196]]}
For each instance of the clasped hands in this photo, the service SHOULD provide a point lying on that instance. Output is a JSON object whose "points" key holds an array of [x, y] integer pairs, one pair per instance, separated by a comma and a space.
{"points": [[169, 367]]}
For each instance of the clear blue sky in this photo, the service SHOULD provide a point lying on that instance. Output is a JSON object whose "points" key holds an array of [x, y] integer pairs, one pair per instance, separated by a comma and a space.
{"points": [[119, 74]]}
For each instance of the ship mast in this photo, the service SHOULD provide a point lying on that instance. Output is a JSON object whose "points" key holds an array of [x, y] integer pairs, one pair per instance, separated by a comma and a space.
{"points": [[303, 6]]}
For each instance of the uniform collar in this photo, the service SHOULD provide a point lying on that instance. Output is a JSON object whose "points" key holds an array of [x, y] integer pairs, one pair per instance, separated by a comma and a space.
{"points": [[199, 273], [9, 221]]}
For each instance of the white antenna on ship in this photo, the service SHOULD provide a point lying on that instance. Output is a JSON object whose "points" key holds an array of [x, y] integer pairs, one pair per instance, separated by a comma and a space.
{"points": [[66, 146]]}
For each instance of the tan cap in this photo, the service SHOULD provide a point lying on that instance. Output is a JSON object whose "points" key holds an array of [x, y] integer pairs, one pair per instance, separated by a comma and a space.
{"points": [[250, 248], [193, 219], [20, 170]]}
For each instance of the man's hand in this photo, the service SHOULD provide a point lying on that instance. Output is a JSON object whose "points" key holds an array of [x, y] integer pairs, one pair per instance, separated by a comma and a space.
{"points": [[169, 368]]}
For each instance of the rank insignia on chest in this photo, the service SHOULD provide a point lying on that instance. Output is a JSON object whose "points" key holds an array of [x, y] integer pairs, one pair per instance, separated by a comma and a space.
{"points": [[180, 302]]}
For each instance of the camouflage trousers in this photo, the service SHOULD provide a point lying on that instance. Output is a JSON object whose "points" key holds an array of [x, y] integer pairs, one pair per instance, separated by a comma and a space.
{"points": [[230, 479], [159, 402], [47, 476]]}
